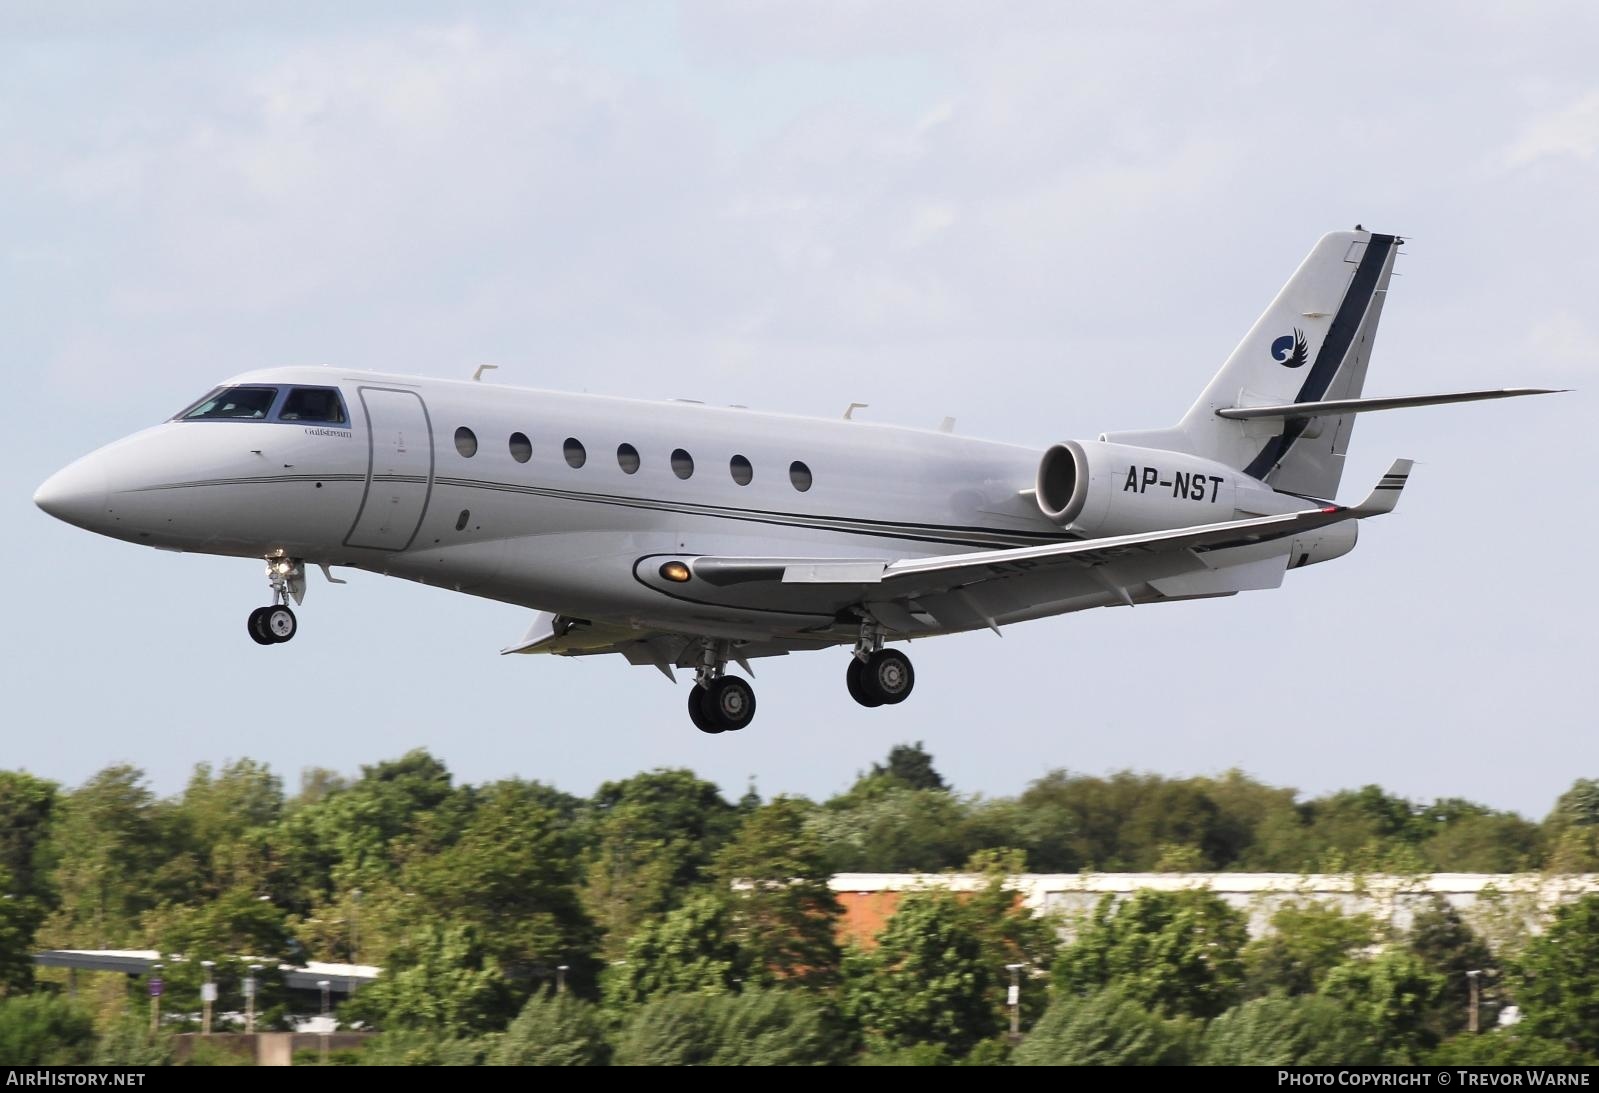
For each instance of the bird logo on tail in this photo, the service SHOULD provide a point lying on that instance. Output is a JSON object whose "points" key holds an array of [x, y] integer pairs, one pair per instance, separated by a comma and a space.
{"points": [[1291, 350]]}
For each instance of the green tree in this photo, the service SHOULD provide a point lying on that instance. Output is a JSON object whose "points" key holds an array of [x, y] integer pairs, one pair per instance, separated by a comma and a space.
{"points": [[235, 923], [1109, 1028], [1305, 943], [1127, 822], [1571, 831], [756, 1028], [553, 1030], [783, 915], [685, 951], [1557, 980], [110, 848], [928, 979], [1175, 952], [441, 980], [911, 766], [44, 1030], [1308, 1030], [19, 920], [1394, 995], [1504, 1047], [128, 1041], [1449, 947], [880, 826], [27, 807], [654, 837], [355, 837], [424, 1047], [1470, 838], [509, 873], [1010, 933]]}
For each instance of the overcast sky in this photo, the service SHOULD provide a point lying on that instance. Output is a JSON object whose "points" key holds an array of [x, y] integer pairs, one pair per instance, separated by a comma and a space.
{"points": [[1046, 220]]}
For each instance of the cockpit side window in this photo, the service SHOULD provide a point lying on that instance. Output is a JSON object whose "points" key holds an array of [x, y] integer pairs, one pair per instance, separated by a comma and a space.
{"points": [[233, 404], [316, 404]]}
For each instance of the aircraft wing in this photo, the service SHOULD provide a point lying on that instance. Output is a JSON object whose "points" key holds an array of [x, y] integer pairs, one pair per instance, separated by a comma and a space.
{"points": [[922, 576]]}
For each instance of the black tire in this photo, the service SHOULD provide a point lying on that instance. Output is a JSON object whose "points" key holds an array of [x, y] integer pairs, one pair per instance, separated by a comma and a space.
{"points": [[857, 688], [888, 675], [730, 703], [697, 712], [279, 623], [257, 627]]}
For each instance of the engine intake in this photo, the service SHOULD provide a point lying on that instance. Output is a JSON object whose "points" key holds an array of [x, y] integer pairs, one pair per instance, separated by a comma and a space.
{"points": [[1097, 488]]}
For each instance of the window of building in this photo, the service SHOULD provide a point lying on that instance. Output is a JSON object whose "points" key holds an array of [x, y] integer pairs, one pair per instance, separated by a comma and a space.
{"points": [[682, 463], [627, 458], [741, 470], [576, 456], [521, 447], [800, 475], [466, 442]]}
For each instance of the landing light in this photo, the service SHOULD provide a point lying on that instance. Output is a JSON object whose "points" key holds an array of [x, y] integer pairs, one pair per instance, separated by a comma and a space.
{"points": [[676, 572]]}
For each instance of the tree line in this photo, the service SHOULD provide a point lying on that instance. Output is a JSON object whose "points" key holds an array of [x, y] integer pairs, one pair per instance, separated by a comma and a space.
{"points": [[658, 921]]}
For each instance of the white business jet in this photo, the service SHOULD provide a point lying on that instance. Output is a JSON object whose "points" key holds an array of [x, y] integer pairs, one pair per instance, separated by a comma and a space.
{"points": [[689, 536]]}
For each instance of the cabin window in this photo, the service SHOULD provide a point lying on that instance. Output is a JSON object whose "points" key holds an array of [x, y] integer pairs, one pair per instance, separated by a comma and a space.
{"points": [[320, 405], [800, 475], [575, 455], [682, 463], [740, 469], [521, 447], [627, 458], [233, 404], [466, 442]]}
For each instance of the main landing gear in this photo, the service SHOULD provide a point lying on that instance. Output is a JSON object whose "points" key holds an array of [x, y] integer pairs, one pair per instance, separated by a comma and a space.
{"points": [[275, 623], [877, 676], [718, 702]]}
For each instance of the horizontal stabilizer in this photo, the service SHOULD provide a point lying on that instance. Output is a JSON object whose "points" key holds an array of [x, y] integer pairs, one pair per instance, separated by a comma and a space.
{"points": [[1366, 405]]}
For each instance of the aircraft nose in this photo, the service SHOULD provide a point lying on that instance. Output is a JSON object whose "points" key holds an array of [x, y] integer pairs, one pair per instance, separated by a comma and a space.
{"points": [[76, 493]]}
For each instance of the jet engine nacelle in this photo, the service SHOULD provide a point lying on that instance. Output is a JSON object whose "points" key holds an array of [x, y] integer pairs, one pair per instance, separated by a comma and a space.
{"points": [[1096, 488]]}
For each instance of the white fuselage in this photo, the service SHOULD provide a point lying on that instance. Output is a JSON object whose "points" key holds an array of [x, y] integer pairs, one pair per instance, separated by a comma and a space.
{"points": [[391, 491]]}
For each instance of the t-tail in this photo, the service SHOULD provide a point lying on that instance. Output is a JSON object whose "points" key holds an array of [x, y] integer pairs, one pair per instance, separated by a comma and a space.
{"points": [[1284, 405]]}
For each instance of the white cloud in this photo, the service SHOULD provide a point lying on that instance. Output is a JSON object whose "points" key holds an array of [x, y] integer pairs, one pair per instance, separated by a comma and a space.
{"points": [[1572, 131], [1567, 342]]}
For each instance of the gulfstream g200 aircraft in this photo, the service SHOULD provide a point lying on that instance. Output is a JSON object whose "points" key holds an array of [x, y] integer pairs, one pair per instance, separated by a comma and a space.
{"points": [[690, 536]]}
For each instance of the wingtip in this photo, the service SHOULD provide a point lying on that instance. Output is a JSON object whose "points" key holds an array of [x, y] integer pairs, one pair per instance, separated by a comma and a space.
{"points": [[1385, 495]]}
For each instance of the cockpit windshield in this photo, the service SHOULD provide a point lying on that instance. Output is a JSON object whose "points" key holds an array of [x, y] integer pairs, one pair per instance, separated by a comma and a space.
{"points": [[300, 405], [233, 404]]}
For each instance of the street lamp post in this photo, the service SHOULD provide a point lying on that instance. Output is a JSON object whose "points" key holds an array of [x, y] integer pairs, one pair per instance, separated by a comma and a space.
{"points": [[208, 995], [156, 986], [1013, 998], [249, 998], [327, 1018], [1471, 1012], [560, 978], [355, 926]]}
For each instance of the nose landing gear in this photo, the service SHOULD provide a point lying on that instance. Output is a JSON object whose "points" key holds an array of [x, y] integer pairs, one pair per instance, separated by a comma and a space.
{"points": [[271, 625], [275, 623]]}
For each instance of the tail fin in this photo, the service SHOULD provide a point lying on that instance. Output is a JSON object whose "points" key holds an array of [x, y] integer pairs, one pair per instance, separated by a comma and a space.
{"points": [[1312, 345]]}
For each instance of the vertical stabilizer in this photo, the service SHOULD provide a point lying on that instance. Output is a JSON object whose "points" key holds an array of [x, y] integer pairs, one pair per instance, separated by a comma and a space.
{"points": [[1312, 344]]}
